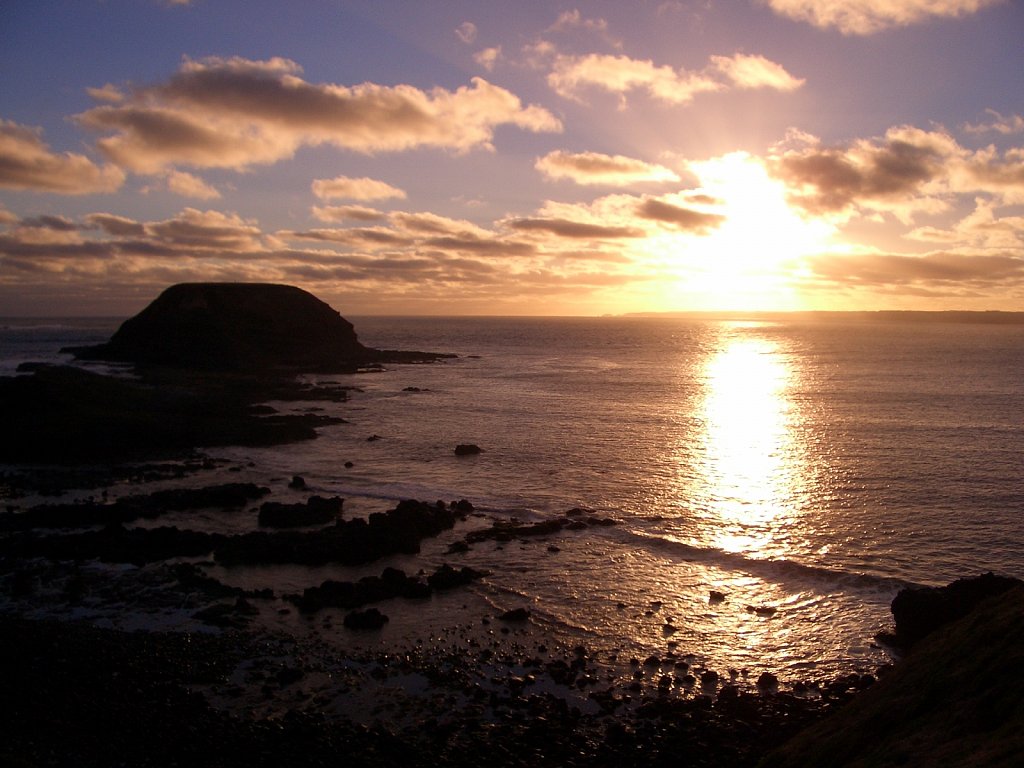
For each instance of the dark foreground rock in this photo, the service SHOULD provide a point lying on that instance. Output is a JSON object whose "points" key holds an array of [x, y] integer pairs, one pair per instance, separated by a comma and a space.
{"points": [[316, 511], [391, 583], [62, 414], [74, 695], [954, 701], [129, 508], [350, 542], [919, 612]]}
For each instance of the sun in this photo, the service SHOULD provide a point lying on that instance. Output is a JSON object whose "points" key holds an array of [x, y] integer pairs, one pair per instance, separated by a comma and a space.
{"points": [[754, 258]]}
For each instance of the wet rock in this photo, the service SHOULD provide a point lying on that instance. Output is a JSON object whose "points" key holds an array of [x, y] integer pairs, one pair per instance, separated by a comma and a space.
{"points": [[515, 615], [467, 449], [298, 482], [316, 511], [352, 542], [392, 583], [446, 577], [766, 681], [134, 507], [371, 618]]}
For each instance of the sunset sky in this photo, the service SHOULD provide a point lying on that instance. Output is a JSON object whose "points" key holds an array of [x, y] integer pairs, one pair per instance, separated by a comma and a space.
{"points": [[479, 157]]}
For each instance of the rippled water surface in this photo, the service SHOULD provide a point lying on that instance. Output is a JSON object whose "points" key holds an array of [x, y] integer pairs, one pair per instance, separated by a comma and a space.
{"points": [[805, 468]]}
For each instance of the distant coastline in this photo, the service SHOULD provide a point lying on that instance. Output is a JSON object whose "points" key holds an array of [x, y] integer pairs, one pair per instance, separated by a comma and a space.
{"points": [[884, 315]]}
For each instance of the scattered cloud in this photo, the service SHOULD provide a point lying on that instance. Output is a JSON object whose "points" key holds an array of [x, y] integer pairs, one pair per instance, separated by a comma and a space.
{"points": [[26, 162], [573, 229], [347, 213], [466, 32], [346, 188], [998, 124], [235, 113], [188, 185], [597, 168], [569, 21], [755, 72], [982, 228], [488, 57], [865, 17], [907, 172], [678, 216], [109, 93], [936, 274], [620, 74]]}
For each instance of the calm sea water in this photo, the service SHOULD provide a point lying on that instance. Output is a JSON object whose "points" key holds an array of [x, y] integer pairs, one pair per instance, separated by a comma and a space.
{"points": [[812, 468]]}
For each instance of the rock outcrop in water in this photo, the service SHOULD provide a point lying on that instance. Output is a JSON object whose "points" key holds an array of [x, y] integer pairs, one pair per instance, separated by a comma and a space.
{"points": [[240, 327]]}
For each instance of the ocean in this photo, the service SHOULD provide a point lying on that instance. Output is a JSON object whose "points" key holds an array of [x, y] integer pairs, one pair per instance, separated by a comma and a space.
{"points": [[806, 467]]}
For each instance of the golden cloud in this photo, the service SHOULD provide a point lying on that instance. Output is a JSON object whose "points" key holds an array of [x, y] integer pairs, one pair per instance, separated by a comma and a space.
{"points": [[906, 172], [865, 17], [188, 185], [621, 74], [235, 112], [755, 72], [26, 162], [346, 188], [597, 168]]}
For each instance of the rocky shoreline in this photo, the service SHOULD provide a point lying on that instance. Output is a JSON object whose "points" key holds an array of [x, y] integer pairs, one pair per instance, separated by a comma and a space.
{"points": [[128, 639], [84, 596]]}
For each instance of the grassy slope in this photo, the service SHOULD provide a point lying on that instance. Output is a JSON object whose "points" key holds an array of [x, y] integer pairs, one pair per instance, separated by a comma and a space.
{"points": [[957, 700]]}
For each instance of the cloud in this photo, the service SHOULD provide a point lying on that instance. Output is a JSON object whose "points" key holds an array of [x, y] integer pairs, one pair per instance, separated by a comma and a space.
{"points": [[56, 223], [347, 212], [894, 173], [569, 21], [187, 185], [573, 229], [982, 228], [119, 226], [466, 32], [597, 168], [620, 74], [940, 273], [488, 57], [347, 188], [998, 124], [865, 17], [26, 162], [109, 93], [678, 216], [236, 112], [906, 172], [208, 230], [755, 72]]}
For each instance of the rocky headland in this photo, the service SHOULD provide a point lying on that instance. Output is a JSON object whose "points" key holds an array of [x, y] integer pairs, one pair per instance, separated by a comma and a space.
{"points": [[204, 359]]}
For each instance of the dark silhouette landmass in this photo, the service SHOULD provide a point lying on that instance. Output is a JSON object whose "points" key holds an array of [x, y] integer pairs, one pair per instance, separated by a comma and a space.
{"points": [[205, 357], [242, 327]]}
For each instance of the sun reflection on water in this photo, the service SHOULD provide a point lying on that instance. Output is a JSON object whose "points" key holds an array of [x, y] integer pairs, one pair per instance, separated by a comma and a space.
{"points": [[751, 464]]}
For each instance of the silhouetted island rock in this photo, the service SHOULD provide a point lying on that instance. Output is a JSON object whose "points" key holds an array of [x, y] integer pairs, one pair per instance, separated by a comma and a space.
{"points": [[241, 327]]}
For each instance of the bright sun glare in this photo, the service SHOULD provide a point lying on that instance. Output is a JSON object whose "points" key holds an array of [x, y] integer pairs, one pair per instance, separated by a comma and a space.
{"points": [[753, 258]]}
